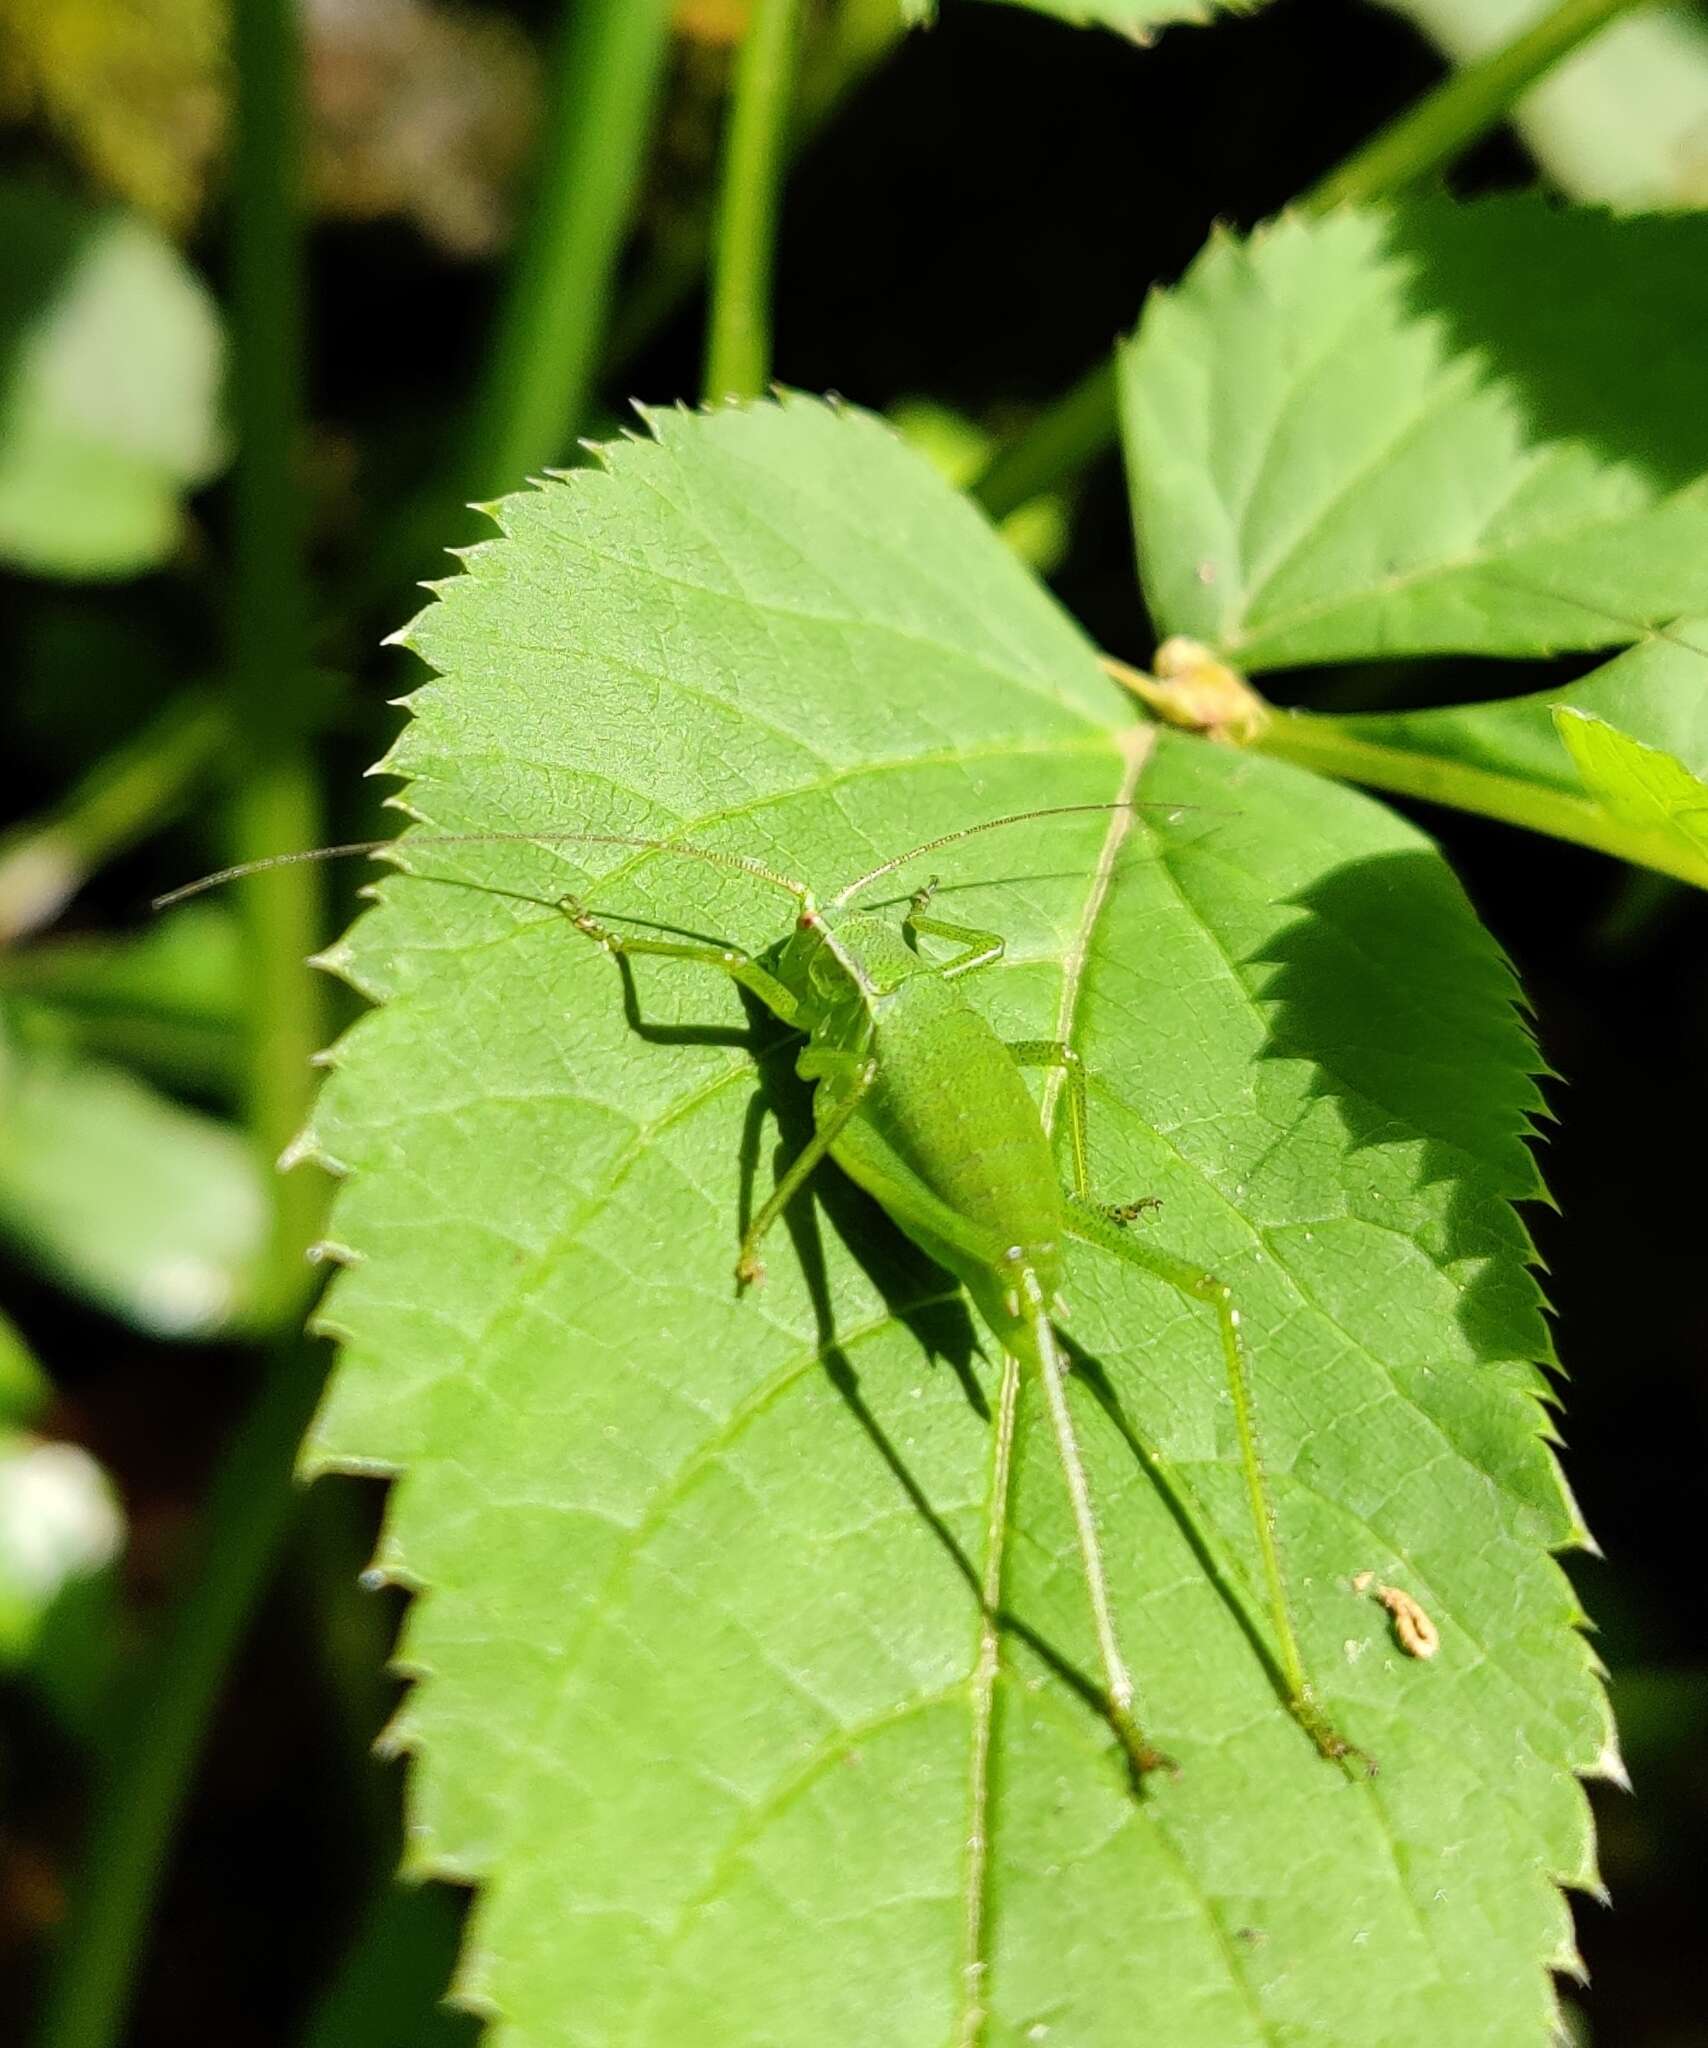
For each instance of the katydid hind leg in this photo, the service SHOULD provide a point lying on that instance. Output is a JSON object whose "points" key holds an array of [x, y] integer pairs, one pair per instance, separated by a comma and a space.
{"points": [[1038, 1349], [1094, 1226], [1021, 1324], [1056, 1052]]}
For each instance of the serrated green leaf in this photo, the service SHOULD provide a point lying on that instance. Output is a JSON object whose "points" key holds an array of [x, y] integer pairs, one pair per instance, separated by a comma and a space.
{"points": [[148, 1208], [1413, 430], [1623, 119], [109, 390], [703, 1704]]}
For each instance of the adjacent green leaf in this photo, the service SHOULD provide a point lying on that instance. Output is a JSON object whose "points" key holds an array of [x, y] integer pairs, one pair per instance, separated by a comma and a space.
{"points": [[702, 1705], [1639, 785], [1655, 692], [1624, 119], [23, 1384], [960, 449], [60, 1527], [167, 999], [109, 388], [151, 1210], [1412, 430]]}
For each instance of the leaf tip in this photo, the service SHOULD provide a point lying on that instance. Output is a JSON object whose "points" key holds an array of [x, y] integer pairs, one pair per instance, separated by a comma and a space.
{"points": [[328, 1251], [304, 1149], [1610, 1765]]}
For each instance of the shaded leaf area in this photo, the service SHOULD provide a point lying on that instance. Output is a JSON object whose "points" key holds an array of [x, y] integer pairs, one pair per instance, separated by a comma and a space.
{"points": [[1621, 118], [1411, 430], [702, 1705], [110, 366]]}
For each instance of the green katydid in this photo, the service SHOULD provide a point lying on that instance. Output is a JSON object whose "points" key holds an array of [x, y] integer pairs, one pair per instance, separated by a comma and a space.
{"points": [[922, 1105]]}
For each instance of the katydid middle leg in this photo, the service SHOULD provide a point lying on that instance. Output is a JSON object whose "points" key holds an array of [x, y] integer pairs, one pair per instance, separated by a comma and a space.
{"points": [[1056, 1052]]}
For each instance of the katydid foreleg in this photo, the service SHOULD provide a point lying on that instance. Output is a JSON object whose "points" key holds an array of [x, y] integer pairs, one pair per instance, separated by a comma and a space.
{"points": [[980, 948], [739, 966]]}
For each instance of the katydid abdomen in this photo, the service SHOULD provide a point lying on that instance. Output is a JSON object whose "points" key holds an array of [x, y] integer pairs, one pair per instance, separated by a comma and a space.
{"points": [[948, 1119]]}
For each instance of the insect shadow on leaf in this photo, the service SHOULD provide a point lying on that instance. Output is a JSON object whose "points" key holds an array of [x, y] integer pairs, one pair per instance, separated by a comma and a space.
{"points": [[1092, 1374]]}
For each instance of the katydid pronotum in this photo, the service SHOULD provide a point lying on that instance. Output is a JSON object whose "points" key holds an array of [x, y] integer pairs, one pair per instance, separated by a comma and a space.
{"points": [[922, 1105]]}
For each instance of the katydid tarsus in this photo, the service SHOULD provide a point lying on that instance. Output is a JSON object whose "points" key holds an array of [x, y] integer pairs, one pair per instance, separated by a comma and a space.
{"points": [[919, 1102]]}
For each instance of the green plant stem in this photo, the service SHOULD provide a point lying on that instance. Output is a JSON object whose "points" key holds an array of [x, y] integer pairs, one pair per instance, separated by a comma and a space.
{"points": [[865, 32], [541, 363], [145, 1778], [537, 375], [141, 1794], [1312, 740], [276, 806], [123, 797], [1067, 434], [1064, 439], [738, 338], [1465, 107]]}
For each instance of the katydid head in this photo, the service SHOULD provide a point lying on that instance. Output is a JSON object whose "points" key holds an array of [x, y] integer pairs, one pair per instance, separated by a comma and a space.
{"points": [[832, 952]]}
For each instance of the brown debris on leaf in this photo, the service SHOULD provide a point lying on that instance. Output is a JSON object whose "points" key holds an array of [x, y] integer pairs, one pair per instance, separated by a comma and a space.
{"points": [[1415, 1633]]}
